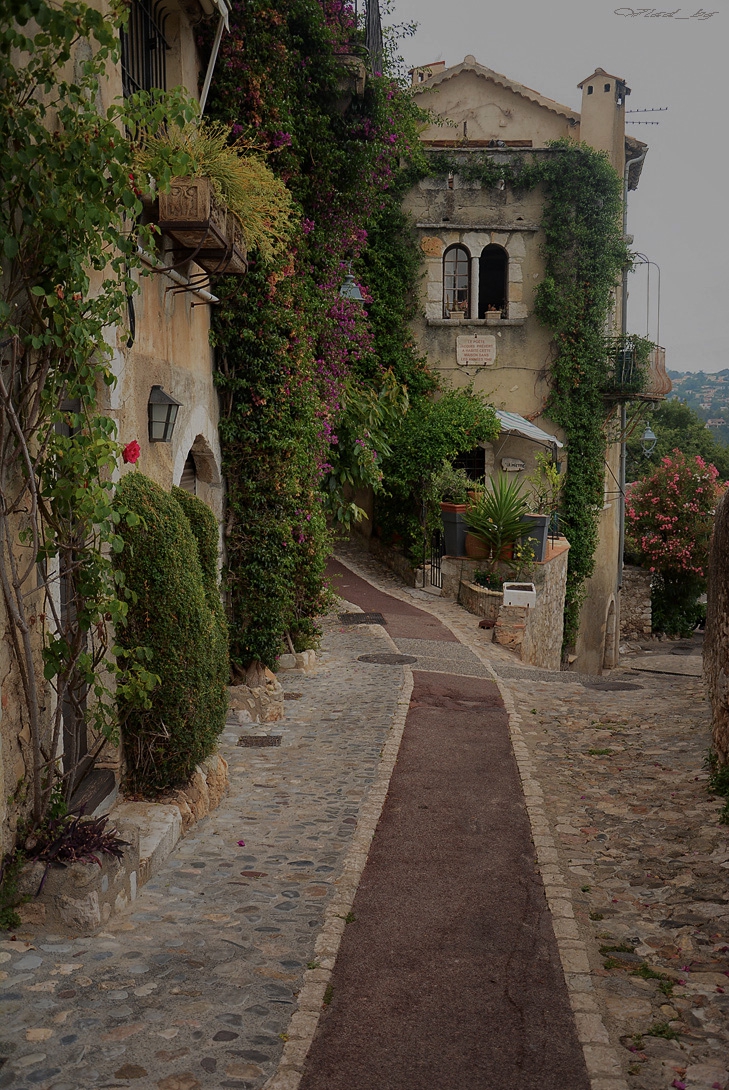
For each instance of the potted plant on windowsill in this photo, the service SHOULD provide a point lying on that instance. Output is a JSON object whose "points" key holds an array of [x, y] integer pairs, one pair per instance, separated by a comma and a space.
{"points": [[495, 521], [545, 485], [227, 199], [493, 315]]}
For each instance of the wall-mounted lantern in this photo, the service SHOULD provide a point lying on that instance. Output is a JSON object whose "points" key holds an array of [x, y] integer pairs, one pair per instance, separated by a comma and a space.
{"points": [[648, 440], [162, 411]]}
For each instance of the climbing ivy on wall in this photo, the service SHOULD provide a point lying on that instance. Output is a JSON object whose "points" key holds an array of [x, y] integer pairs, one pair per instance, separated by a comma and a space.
{"points": [[584, 253], [290, 351]]}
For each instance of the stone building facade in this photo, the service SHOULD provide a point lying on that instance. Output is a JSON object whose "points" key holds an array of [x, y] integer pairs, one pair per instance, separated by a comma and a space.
{"points": [[165, 343], [482, 263]]}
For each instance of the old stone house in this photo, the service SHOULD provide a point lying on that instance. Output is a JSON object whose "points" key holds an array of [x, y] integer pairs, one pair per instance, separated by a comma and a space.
{"points": [[482, 262]]}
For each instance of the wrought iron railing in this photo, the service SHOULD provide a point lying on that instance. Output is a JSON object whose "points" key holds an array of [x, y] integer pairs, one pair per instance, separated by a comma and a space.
{"points": [[144, 48]]}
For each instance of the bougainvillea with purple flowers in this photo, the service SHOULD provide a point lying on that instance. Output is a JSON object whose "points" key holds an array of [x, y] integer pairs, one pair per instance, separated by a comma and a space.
{"points": [[291, 352]]}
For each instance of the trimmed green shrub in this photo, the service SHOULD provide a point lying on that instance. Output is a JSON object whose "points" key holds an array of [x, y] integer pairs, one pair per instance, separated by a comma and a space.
{"points": [[204, 528], [169, 567]]}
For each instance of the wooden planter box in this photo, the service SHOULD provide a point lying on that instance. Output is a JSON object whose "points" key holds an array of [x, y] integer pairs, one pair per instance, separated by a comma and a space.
{"points": [[201, 227]]}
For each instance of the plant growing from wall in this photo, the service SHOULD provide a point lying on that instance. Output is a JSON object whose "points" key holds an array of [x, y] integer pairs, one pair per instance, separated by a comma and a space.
{"points": [[670, 517], [304, 374], [169, 564], [68, 253]]}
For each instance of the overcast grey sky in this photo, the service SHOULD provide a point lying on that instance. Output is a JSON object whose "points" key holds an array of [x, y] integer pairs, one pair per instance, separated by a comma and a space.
{"points": [[678, 215]]}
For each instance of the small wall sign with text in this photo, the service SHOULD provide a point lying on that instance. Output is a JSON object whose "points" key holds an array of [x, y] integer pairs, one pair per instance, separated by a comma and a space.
{"points": [[476, 351], [512, 465]]}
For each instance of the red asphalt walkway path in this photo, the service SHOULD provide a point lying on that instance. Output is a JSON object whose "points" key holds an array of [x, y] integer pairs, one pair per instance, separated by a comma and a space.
{"points": [[449, 976]]}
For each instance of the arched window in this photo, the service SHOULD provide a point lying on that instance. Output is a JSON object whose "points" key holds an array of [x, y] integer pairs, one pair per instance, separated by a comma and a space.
{"points": [[493, 269], [457, 282]]}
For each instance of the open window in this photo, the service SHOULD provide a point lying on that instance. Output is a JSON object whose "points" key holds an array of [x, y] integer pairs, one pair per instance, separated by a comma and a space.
{"points": [[493, 271], [144, 48], [457, 282]]}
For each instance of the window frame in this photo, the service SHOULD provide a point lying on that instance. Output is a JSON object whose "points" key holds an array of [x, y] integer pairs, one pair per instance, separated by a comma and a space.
{"points": [[144, 48], [454, 288]]}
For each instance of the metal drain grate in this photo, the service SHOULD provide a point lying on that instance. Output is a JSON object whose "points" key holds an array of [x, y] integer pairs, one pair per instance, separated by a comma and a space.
{"points": [[259, 740], [362, 618], [610, 686], [388, 660]]}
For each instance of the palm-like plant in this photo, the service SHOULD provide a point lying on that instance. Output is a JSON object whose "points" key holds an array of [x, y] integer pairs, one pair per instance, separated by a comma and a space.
{"points": [[497, 516]]}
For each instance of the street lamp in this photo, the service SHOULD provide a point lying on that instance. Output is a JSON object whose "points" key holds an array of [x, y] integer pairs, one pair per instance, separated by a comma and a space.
{"points": [[648, 440], [162, 414], [349, 289]]}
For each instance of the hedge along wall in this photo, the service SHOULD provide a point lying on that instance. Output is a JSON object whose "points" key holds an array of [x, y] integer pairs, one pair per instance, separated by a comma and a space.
{"points": [[169, 564]]}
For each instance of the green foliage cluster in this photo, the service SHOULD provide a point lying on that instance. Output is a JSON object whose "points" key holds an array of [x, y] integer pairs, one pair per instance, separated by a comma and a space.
{"points": [[677, 427], [69, 260], [169, 565], [584, 252], [433, 431], [310, 382], [497, 516]]}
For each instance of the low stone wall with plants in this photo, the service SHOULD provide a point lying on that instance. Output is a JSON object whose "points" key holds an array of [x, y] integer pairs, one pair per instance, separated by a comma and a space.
{"points": [[535, 633], [635, 603]]}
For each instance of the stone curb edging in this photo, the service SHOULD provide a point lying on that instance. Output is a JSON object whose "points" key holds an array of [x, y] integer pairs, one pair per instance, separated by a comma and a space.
{"points": [[303, 1023], [601, 1057]]}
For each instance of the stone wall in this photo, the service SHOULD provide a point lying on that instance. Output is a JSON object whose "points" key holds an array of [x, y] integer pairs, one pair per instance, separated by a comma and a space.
{"points": [[542, 644], [394, 560], [716, 643], [80, 898], [635, 603], [535, 634]]}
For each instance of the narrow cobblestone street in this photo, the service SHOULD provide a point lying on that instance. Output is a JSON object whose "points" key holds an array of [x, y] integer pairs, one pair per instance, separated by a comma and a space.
{"points": [[198, 984]]}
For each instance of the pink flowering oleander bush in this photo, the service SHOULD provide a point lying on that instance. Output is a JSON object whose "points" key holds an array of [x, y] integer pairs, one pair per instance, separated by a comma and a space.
{"points": [[669, 518], [670, 514]]}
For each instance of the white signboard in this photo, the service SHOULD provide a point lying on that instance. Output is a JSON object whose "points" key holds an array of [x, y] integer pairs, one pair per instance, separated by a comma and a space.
{"points": [[512, 465], [476, 351]]}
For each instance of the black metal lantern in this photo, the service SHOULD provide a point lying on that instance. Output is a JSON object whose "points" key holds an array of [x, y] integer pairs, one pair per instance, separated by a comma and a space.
{"points": [[162, 411]]}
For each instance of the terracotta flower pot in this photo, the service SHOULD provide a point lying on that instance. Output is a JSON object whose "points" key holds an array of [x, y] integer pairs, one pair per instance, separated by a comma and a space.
{"points": [[476, 548]]}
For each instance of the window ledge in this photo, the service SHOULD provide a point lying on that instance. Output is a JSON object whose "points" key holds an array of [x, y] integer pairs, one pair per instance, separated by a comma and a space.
{"points": [[460, 323]]}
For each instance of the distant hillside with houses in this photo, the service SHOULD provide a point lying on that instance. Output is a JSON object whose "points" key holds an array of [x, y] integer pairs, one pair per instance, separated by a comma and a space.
{"points": [[708, 395]]}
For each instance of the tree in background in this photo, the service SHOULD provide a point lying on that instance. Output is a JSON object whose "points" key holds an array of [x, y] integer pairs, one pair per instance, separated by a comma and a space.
{"points": [[670, 516], [677, 427]]}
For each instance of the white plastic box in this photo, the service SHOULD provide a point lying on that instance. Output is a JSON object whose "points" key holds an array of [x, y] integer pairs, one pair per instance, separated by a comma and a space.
{"points": [[520, 594]]}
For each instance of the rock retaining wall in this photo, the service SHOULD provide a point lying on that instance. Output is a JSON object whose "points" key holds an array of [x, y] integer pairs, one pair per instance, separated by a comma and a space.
{"points": [[79, 899], [635, 603], [535, 634], [259, 699]]}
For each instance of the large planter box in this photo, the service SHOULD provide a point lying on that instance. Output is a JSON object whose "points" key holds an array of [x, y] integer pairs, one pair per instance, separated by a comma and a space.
{"points": [[537, 535], [201, 227], [454, 528]]}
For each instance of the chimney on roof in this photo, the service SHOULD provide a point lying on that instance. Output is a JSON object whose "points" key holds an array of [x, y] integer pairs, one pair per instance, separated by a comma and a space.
{"points": [[425, 71], [602, 119]]}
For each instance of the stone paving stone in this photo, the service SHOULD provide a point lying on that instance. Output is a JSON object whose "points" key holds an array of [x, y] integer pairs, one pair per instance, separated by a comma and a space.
{"points": [[195, 985], [640, 847]]}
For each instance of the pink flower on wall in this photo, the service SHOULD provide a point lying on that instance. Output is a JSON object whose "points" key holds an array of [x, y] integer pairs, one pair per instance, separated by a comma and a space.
{"points": [[131, 452]]}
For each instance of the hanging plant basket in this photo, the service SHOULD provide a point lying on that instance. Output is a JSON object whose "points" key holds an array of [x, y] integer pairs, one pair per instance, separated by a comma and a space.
{"points": [[201, 227]]}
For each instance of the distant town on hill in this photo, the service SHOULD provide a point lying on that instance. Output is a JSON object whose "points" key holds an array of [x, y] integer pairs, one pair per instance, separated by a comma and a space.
{"points": [[708, 395]]}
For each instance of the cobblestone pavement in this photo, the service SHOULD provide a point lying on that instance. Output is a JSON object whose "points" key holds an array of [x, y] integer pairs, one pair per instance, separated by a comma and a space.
{"points": [[196, 984], [639, 844], [620, 761]]}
